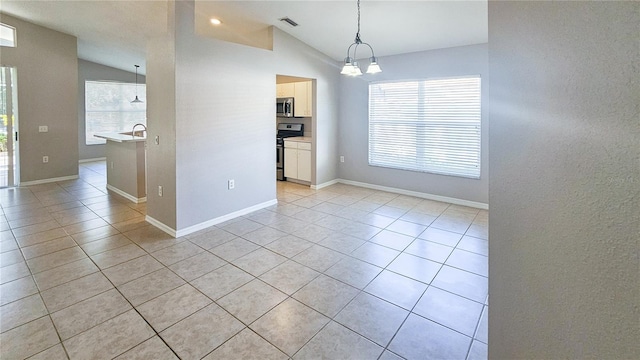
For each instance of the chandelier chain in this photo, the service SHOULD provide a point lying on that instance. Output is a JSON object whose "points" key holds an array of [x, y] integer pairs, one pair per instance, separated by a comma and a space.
{"points": [[351, 67], [357, 40]]}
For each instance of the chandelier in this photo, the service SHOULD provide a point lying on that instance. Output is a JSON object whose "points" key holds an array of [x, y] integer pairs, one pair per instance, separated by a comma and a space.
{"points": [[351, 67]]}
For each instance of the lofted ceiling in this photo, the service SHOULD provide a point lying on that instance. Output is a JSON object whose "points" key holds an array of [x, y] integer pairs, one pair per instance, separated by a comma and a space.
{"points": [[114, 33]]}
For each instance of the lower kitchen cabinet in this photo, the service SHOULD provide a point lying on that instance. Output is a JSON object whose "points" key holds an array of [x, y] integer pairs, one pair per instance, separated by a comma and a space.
{"points": [[297, 160], [304, 164]]}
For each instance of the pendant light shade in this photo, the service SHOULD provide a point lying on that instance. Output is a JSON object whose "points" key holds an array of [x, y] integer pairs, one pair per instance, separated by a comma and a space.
{"points": [[348, 66], [351, 67], [136, 100], [373, 68]]}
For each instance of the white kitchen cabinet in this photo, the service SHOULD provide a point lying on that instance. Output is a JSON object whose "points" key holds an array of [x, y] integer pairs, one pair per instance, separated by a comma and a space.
{"points": [[290, 162], [304, 163], [297, 160], [285, 90], [303, 99]]}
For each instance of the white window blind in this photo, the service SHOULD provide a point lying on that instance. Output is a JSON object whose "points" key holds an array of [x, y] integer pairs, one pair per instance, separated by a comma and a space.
{"points": [[428, 126], [108, 108]]}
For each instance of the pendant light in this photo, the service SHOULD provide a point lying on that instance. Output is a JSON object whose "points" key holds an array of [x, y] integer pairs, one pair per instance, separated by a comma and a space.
{"points": [[351, 67], [136, 100]]}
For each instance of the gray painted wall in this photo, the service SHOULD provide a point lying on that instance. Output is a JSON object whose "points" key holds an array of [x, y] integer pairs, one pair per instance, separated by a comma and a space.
{"points": [[565, 180], [354, 122], [128, 170], [47, 73], [161, 122], [90, 71], [224, 121], [292, 57]]}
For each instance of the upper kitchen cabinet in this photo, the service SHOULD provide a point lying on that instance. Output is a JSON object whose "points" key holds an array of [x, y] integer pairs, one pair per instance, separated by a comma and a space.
{"points": [[301, 91], [303, 99], [285, 90]]}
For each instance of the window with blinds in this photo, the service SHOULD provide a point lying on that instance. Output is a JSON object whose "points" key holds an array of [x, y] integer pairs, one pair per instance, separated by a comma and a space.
{"points": [[427, 125], [108, 108]]}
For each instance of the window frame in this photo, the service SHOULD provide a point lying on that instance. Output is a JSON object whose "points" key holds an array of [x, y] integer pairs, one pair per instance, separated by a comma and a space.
{"points": [[14, 32]]}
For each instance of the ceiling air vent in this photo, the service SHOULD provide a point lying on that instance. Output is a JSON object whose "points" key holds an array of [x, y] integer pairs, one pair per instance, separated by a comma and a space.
{"points": [[289, 21]]}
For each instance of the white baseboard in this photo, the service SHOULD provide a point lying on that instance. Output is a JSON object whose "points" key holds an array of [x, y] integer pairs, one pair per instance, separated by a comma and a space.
{"points": [[126, 195], [208, 223], [221, 219], [92, 160], [160, 225], [324, 185], [50, 180], [473, 204], [296, 181]]}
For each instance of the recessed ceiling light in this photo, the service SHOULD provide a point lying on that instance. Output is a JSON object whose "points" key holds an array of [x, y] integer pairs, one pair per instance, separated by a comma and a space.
{"points": [[215, 21]]}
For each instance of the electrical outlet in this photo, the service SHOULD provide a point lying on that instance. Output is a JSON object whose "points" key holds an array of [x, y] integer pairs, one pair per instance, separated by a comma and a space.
{"points": [[341, 158], [43, 128], [160, 190], [232, 184], [45, 159], [156, 140]]}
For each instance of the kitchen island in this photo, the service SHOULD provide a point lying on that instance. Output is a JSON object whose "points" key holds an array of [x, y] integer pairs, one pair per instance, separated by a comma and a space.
{"points": [[126, 165]]}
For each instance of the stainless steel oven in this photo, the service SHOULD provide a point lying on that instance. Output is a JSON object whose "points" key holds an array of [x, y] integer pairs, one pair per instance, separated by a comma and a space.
{"points": [[280, 161], [285, 131]]}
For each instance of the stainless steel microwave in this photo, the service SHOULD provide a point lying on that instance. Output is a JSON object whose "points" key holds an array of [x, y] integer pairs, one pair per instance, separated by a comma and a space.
{"points": [[284, 107]]}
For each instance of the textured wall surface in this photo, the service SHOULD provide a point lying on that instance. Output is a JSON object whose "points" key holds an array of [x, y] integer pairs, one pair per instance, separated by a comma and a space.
{"points": [[565, 179], [47, 73], [161, 122], [214, 111]]}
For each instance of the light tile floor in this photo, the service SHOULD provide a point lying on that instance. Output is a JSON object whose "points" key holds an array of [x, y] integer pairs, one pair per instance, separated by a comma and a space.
{"points": [[340, 273]]}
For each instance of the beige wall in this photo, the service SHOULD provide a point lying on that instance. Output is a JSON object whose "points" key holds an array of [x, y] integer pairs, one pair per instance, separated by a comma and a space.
{"points": [[47, 73], [564, 189]]}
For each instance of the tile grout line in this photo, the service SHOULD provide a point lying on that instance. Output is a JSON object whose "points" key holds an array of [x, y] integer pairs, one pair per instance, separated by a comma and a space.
{"points": [[345, 255], [113, 287]]}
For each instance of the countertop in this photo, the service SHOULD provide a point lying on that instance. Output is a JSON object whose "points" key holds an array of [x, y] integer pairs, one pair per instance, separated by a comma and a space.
{"points": [[121, 138], [306, 139]]}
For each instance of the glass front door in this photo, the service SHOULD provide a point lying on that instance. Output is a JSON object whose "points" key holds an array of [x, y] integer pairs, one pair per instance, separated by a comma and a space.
{"points": [[8, 127]]}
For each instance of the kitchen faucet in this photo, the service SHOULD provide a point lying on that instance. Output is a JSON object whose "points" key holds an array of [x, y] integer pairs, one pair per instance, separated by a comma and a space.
{"points": [[133, 130]]}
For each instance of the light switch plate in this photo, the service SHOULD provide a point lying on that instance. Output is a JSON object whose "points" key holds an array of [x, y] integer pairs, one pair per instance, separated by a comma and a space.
{"points": [[157, 140]]}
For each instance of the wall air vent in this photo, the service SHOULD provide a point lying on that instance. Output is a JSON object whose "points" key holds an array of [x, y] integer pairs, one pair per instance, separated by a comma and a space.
{"points": [[289, 21]]}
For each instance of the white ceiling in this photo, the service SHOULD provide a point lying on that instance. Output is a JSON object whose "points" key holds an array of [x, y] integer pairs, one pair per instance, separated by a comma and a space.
{"points": [[114, 33]]}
